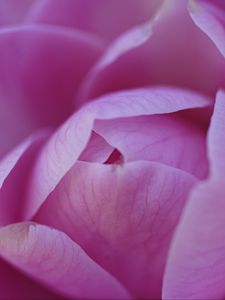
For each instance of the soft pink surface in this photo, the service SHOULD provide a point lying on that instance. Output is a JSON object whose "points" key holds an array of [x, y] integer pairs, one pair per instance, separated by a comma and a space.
{"points": [[123, 216], [40, 72], [97, 149], [14, 11], [15, 172], [104, 18], [123, 198], [66, 145], [162, 138], [170, 49], [53, 259], [196, 265]]}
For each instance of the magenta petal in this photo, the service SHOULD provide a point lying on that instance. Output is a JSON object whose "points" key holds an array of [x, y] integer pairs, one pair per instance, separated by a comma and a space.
{"points": [[96, 16], [97, 149], [216, 138], [196, 265], [50, 257], [31, 94], [165, 138], [123, 216], [13, 11], [67, 144], [15, 285], [146, 55], [211, 20], [15, 172]]}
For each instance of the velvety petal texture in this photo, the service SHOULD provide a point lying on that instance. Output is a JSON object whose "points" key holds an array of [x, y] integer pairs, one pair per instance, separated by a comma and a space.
{"points": [[163, 138], [123, 216], [67, 144], [195, 269], [51, 258], [96, 16], [112, 149], [15, 171], [211, 20], [97, 149], [39, 76], [162, 51]]}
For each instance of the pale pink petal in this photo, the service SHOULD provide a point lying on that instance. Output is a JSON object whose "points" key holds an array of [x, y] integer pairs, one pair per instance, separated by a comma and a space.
{"points": [[40, 72], [14, 11], [104, 18], [67, 144], [15, 285], [53, 259], [15, 171], [170, 49], [216, 138], [164, 138], [211, 20], [196, 265], [97, 149], [123, 216]]}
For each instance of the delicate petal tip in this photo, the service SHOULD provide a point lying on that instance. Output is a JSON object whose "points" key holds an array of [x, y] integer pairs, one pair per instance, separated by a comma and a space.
{"points": [[50, 257], [205, 18]]}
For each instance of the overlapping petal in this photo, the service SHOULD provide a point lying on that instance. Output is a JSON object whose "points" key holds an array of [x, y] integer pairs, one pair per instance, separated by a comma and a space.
{"points": [[15, 171], [67, 144], [50, 257], [40, 72], [104, 18], [123, 216], [209, 17], [162, 51], [195, 268], [168, 139]]}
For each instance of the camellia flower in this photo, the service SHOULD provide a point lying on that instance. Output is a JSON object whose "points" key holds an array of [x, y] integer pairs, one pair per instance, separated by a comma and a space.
{"points": [[112, 149]]}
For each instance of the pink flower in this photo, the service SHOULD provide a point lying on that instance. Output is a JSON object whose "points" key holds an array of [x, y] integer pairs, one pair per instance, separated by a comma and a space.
{"points": [[112, 145]]}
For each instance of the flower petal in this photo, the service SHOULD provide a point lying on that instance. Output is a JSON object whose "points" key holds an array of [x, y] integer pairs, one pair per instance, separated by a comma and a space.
{"points": [[123, 216], [31, 94], [67, 144], [157, 53], [96, 16], [50, 257], [97, 149], [196, 265], [164, 138], [13, 11], [210, 19], [15, 172], [23, 286]]}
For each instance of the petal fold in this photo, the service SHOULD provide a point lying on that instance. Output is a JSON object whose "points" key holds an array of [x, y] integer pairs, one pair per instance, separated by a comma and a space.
{"points": [[195, 269], [123, 216], [96, 16], [40, 72], [156, 53], [51, 258], [70, 140]]}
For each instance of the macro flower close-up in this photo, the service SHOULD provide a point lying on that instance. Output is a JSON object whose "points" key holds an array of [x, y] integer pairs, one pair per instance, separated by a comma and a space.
{"points": [[112, 149]]}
